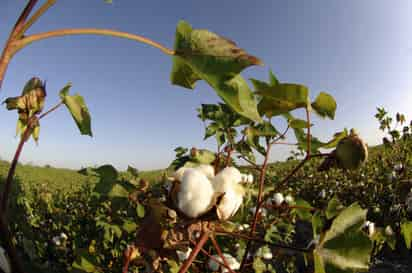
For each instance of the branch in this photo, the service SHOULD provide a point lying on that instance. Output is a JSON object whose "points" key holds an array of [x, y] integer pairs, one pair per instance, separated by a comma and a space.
{"points": [[309, 137], [34, 18], [202, 241], [88, 31], [259, 201], [219, 252]]}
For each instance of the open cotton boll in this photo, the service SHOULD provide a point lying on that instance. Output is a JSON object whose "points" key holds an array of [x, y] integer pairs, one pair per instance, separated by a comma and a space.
{"points": [[231, 262], [250, 178], [178, 175], [278, 199], [289, 199], [183, 255], [195, 193], [4, 261], [207, 170], [230, 202], [244, 178], [225, 178]]}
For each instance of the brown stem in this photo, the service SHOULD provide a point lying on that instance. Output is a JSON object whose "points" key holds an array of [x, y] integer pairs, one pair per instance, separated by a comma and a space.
{"points": [[202, 241], [309, 137], [219, 252], [259, 202], [6, 53], [89, 31], [213, 258]]}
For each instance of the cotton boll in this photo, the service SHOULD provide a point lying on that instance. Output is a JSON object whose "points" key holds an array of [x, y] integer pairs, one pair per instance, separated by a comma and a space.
{"points": [[207, 170], [278, 199], [56, 240], [389, 231], [178, 175], [195, 193], [230, 202], [250, 178], [231, 262], [63, 236], [244, 178], [225, 178], [183, 255], [289, 199], [4, 261]]}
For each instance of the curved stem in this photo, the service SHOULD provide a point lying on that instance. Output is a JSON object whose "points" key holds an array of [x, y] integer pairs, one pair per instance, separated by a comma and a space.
{"points": [[88, 31], [202, 241], [34, 18]]}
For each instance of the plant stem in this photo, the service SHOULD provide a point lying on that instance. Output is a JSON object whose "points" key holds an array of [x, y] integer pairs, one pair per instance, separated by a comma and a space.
{"points": [[88, 31], [6, 53], [309, 137], [259, 202], [202, 241], [219, 252], [51, 110], [259, 240], [34, 18]]}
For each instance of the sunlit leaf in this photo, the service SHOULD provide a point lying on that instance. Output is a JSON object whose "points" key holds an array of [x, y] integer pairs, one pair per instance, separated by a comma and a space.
{"points": [[201, 54], [325, 105]]}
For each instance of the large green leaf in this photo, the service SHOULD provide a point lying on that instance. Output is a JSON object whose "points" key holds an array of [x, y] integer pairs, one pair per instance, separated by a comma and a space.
{"points": [[78, 109], [282, 98], [344, 247], [325, 105], [203, 55], [85, 262]]}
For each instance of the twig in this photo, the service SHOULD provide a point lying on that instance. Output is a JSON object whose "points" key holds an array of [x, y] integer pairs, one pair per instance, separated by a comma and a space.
{"points": [[202, 241], [219, 252], [259, 201]]}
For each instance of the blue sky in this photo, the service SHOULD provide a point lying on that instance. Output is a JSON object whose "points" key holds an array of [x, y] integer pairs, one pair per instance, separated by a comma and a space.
{"points": [[359, 51]]}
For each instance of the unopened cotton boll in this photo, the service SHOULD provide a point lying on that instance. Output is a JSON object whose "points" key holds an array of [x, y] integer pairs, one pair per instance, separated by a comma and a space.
{"points": [[278, 199], [231, 262], [4, 261], [183, 255], [195, 193], [207, 170]]}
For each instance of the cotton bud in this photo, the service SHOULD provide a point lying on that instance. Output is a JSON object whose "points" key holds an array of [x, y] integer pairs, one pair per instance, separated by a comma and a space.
{"points": [[4, 261], [213, 265], [183, 255], [278, 199], [351, 151]]}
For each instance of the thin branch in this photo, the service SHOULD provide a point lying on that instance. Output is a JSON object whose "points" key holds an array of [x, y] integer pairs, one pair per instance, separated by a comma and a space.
{"points": [[249, 161], [51, 110], [219, 252], [309, 137], [259, 201], [202, 241], [281, 136], [212, 258], [34, 18], [6, 53], [259, 240], [88, 31]]}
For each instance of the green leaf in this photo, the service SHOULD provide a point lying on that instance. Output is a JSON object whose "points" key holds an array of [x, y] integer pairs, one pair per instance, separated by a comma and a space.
{"points": [[283, 98], [258, 265], [140, 210], [303, 209], [344, 247], [334, 207], [129, 226], [78, 109], [202, 156], [325, 105], [317, 224], [118, 191], [298, 123], [201, 54], [406, 231], [85, 262]]}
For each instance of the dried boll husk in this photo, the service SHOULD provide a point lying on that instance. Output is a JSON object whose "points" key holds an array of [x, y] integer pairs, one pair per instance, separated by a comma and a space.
{"points": [[351, 152]]}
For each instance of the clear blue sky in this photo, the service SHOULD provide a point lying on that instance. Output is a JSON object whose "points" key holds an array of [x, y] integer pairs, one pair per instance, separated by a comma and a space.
{"points": [[359, 51]]}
